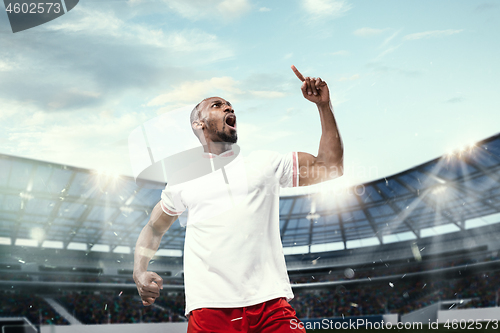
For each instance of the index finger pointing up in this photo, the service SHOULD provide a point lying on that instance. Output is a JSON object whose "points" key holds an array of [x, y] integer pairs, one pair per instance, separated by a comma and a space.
{"points": [[299, 75]]}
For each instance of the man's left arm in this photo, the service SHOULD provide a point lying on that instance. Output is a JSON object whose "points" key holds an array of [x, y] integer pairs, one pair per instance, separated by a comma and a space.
{"points": [[329, 163]]}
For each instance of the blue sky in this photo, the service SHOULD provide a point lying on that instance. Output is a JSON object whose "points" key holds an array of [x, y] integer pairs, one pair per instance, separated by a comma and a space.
{"points": [[409, 81]]}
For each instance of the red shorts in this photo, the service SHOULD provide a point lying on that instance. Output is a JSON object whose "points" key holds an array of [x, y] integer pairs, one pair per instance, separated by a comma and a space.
{"points": [[269, 317]]}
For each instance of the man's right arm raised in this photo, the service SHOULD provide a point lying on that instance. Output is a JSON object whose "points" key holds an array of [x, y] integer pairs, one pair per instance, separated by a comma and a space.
{"points": [[150, 283]]}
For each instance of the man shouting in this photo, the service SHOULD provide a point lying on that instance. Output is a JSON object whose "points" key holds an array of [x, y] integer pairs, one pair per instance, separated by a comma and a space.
{"points": [[234, 268]]}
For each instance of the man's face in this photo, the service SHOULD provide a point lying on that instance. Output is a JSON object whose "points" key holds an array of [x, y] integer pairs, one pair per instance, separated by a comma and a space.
{"points": [[220, 122]]}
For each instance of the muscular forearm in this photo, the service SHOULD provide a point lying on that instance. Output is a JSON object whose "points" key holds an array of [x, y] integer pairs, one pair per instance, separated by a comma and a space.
{"points": [[150, 238], [331, 151], [145, 248]]}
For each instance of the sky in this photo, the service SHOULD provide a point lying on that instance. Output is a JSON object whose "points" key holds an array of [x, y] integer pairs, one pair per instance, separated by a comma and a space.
{"points": [[409, 81]]}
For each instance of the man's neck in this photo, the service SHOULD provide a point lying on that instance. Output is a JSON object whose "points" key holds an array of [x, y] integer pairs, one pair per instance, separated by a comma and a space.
{"points": [[217, 148]]}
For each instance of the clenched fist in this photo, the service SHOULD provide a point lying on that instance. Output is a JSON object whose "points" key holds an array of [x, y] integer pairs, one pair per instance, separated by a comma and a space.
{"points": [[148, 285]]}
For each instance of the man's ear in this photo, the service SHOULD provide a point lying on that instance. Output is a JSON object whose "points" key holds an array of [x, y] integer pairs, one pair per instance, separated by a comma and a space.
{"points": [[197, 125], [198, 129]]}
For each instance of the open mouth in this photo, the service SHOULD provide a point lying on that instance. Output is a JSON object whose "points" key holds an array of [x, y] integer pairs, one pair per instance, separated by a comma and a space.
{"points": [[231, 121]]}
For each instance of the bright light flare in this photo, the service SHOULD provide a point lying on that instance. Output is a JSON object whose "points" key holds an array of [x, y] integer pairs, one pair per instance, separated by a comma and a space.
{"points": [[107, 174], [439, 189], [38, 234], [468, 148]]}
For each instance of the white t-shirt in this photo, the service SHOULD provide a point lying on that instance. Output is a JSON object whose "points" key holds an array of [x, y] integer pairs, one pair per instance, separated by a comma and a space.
{"points": [[233, 256]]}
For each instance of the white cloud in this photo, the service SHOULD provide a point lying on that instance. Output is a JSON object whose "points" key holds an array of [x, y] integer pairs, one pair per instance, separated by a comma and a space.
{"points": [[192, 92], [387, 51], [6, 65], [194, 41], [351, 78], [431, 34], [367, 32], [327, 8], [233, 8], [389, 39], [64, 138], [264, 9], [106, 27], [205, 9], [91, 21], [98, 57]]}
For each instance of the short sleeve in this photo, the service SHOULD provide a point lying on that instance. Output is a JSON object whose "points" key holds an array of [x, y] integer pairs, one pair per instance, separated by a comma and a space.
{"points": [[287, 169], [171, 202]]}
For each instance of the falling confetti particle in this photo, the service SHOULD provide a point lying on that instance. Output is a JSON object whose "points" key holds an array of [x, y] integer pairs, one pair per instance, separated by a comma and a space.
{"points": [[121, 292], [354, 305], [391, 284], [424, 285], [105, 306], [451, 306]]}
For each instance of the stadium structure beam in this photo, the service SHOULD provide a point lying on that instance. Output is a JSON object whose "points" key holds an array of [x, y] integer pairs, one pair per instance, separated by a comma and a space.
{"points": [[424, 198], [311, 224], [69, 198], [108, 225], [89, 204], [369, 218], [489, 172], [465, 190], [455, 184], [342, 231], [24, 201], [459, 185], [131, 227], [407, 221], [341, 225], [62, 195]]}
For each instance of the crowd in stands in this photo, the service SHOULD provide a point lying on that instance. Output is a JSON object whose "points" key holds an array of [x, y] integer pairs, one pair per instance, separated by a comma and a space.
{"points": [[33, 307], [117, 308], [15, 276], [401, 296]]}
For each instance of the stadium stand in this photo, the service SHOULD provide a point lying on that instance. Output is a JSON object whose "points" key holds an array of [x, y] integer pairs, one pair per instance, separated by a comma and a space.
{"points": [[424, 236], [33, 307]]}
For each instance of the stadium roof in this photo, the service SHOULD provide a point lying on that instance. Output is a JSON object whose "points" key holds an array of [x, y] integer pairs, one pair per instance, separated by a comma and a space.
{"points": [[57, 206]]}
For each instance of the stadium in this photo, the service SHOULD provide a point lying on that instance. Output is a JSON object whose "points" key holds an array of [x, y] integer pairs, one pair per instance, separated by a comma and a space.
{"points": [[421, 246]]}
